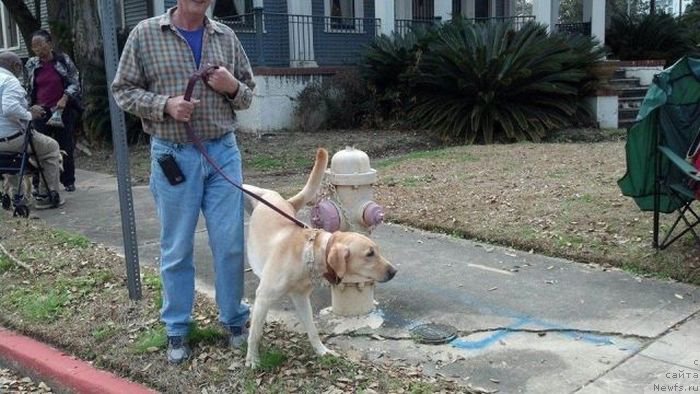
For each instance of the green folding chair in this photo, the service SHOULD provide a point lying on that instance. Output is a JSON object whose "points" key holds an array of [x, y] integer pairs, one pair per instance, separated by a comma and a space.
{"points": [[658, 176]]}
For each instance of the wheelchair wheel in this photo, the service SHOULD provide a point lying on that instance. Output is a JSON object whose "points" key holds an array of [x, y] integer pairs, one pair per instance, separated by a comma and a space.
{"points": [[6, 202], [21, 210]]}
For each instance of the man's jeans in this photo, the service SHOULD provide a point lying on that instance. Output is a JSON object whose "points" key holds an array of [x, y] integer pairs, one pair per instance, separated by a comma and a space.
{"points": [[178, 209], [48, 155]]}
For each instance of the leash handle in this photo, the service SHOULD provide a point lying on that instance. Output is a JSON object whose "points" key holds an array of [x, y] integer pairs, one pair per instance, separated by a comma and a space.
{"points": [[196, 76]]}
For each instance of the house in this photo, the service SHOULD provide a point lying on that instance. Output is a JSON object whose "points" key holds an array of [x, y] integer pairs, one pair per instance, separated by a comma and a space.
{"points": [[294, 42]]}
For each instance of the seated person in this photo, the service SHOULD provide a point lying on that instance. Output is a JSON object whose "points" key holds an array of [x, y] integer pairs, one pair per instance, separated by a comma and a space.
{"points": [[14, 117]]}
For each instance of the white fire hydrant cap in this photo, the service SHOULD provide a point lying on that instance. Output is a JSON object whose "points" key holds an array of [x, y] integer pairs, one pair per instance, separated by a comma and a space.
{"points": [[350, 166]]}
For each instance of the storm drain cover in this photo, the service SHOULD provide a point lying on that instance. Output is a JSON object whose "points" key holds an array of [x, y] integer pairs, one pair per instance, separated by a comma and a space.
{"points": [[433, 334]]}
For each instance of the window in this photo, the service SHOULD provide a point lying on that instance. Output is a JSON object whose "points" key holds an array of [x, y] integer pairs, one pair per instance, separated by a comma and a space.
{"points": [[423, 9], [232, 8], [237, 14], [10, 32], [344, 15]]}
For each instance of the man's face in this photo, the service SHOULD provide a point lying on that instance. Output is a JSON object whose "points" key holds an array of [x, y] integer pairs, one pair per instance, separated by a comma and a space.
{"points": [[17, 69], [194, 7]]}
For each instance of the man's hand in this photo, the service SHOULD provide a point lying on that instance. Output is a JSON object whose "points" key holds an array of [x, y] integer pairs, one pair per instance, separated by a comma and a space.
{"points": [[180, 109], [223, 82], [37, 111], [61, 104]]}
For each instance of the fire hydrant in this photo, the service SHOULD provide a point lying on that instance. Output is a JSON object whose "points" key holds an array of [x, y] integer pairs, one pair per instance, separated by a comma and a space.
{"points": [[348, 206]]}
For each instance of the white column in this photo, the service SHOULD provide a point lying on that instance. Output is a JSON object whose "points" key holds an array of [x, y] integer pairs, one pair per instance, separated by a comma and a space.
{"points": [[443, 9], [544, 12], [598, 20], [468, 8], [301, 34], [384, 10]]}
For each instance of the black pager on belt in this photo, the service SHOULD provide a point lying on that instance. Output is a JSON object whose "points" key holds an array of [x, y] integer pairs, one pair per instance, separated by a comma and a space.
{"points": [[171, 169]]}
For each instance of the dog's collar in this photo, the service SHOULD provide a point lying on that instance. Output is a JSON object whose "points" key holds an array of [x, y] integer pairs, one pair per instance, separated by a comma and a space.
{"points": [[315, 262], [330, 275]]}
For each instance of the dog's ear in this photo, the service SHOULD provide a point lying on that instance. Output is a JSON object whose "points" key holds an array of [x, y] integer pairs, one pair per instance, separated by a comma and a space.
{"points": [[338, 259]]}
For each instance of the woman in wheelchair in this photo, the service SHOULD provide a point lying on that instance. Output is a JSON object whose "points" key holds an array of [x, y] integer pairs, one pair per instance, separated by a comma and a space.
{"points": [[15, 116]]}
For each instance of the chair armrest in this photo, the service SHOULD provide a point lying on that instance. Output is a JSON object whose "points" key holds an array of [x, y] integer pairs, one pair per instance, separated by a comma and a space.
{"points": [[687, 168]]}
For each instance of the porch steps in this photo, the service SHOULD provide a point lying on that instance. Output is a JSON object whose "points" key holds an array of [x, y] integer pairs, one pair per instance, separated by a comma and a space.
{"points": [[630, 95]]}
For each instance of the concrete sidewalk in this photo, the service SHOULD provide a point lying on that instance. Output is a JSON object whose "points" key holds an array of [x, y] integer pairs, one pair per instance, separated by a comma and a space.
{"points": [[526, 323]]}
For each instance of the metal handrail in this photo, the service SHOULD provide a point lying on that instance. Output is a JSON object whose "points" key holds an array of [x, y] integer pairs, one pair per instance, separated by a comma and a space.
{"points": [[582, 28], [272, 38]]}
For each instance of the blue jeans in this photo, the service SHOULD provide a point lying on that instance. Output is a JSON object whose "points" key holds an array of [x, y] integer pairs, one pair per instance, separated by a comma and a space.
{"points": [[178, 208]]}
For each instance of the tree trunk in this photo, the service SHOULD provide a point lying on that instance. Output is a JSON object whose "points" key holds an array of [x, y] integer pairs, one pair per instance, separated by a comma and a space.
{"points": [[89, 58], [87, 35], [59, 19], [652, 7], [26, 21]]}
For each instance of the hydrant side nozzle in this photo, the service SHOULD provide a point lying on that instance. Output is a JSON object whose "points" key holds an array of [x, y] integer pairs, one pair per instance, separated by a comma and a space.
{"points": [[372, 214], [326, 215]]}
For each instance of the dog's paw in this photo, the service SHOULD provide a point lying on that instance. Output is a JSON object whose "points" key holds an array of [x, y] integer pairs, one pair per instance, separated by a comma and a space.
{"points": [[324, 351], [252, 362]]}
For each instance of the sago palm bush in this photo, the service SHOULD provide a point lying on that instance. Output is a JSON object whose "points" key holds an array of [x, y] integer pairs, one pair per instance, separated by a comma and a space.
{"points": [[486, 82], [388, 64], [658, 36]]}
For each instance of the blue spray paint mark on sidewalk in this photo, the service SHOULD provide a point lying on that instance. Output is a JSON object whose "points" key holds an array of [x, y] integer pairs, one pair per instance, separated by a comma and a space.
{"points": [[462, 343], [490, 340]]}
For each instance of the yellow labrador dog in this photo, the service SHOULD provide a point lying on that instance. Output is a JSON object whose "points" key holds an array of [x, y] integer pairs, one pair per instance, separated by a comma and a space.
{"points": [[288, 258]]}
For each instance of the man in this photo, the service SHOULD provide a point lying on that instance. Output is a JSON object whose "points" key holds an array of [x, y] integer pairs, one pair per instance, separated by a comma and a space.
{"points": [[14, 117], [158, 58]]}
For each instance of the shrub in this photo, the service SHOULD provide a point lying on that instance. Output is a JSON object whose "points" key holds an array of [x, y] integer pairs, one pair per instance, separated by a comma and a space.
{"points": [[341, 101], [485, 83], [658, 36], [388, 65], [691, 23]]}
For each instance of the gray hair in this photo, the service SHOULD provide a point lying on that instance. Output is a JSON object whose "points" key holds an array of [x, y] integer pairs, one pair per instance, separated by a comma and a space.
{"points": [[10, 61]]}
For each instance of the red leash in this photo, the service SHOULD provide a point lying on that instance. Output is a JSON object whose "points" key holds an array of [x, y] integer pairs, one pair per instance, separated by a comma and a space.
{"points": [[196, 76]]}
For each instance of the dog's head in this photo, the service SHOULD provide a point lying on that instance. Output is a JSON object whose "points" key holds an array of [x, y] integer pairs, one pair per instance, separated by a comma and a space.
{"points": [[353, 254]]}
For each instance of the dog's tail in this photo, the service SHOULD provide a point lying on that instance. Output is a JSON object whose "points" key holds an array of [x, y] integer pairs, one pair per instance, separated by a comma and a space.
{"points": [[313, 184]]}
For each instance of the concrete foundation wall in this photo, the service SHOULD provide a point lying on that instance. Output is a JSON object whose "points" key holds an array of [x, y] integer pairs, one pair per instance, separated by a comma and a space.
{"points": [[274, 102], [645, 74], [642, 69], [605, 110]]}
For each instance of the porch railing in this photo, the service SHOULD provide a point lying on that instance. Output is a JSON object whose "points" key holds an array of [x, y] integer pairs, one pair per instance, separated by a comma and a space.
{"points": [[516, 21], [582, 28], [403, 26], [285, 40]]}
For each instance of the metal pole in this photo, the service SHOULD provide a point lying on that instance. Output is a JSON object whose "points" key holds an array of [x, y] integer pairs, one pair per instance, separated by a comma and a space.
{"points": [[121, 151]]}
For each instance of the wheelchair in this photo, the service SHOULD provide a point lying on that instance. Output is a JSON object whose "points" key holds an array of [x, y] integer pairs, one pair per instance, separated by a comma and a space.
{"points": [[17, 163]]}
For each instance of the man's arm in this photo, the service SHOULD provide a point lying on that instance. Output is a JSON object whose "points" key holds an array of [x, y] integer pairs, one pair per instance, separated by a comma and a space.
{"points": [[243, 73], [14, 101], [129, 85]]}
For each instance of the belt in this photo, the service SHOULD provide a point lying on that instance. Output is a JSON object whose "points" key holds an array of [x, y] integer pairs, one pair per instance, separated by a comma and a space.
{"points": [[12, 137]]}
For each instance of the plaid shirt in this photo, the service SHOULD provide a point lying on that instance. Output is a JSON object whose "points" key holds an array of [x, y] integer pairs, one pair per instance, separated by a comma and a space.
{"points": [[157, 63]]}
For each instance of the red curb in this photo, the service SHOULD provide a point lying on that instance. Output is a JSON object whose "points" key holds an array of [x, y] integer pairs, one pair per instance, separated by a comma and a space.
{"points": [[59, 369]]}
